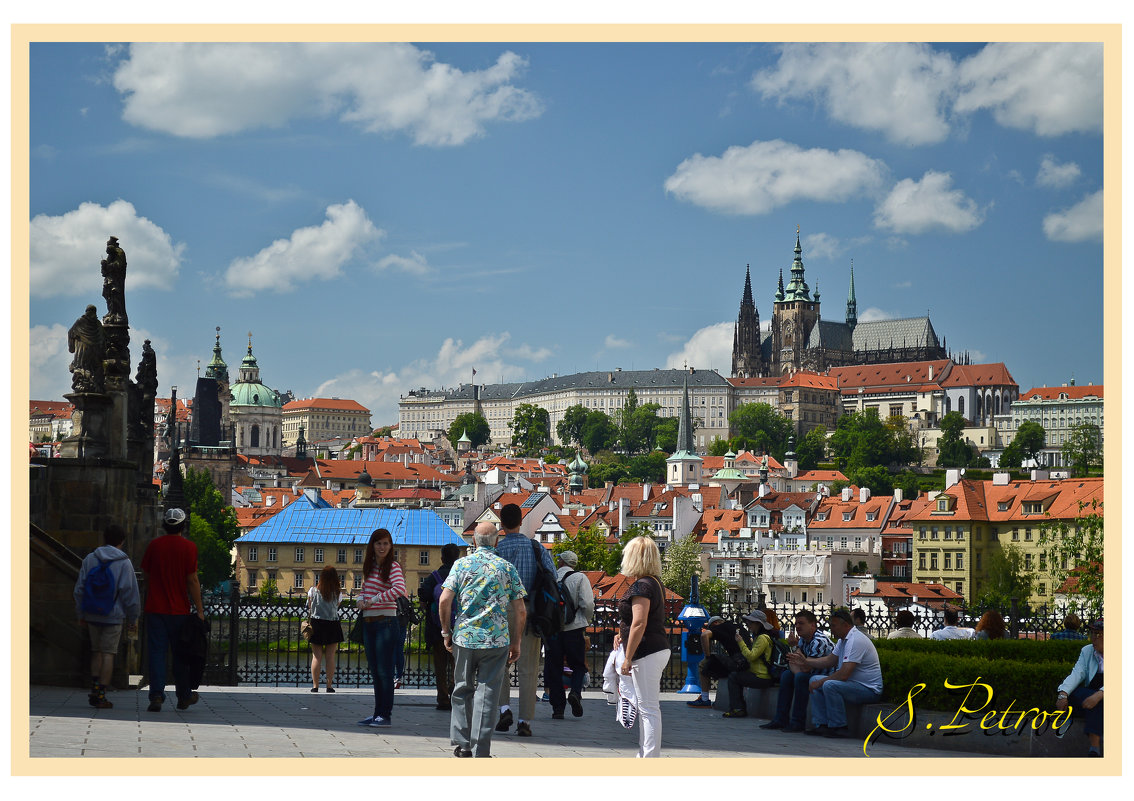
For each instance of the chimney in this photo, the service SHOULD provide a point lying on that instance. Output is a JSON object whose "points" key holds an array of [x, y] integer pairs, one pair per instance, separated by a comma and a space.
{"points": [[931, 372], [863, 494], [897, 495], [845, 494], [763, 489], [1000, 479], [645, 491], [952, 476]]}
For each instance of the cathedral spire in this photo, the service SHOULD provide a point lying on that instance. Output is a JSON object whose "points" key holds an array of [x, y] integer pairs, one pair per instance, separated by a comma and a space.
{"points": [[852, 303], [797, 287], [217, 368], [685, 422], [780, 287], [747, 298], [746, 357]]}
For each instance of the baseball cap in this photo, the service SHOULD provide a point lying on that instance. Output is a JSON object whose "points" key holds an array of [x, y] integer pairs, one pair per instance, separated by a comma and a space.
{"points": [[569, 558], [758, 617], [714, 619], [174, 516]]}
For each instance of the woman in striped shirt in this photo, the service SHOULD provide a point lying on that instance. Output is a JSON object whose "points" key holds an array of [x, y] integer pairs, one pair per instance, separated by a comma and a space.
{"points": [[384, 583]]}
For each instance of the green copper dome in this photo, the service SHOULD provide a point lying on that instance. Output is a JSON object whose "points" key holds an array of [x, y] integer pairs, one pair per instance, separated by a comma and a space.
{"points": [[253, 393]]}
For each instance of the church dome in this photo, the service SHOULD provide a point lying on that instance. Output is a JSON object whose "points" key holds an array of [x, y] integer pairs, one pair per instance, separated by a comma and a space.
{"points": [[253, 393]]}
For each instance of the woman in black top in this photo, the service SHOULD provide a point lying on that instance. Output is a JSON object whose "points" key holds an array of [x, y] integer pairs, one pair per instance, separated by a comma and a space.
{"points": [[643, 637]]}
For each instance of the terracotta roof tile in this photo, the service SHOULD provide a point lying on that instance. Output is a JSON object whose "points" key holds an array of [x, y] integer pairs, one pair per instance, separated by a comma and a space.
{"points": [[1053, 393]]}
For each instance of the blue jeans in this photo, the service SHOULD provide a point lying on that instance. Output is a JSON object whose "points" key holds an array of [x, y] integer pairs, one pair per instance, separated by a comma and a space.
{"points": [[793, 696], [380, 638], [400, 654], [829, 702], [163, 633], [1093, 718]]}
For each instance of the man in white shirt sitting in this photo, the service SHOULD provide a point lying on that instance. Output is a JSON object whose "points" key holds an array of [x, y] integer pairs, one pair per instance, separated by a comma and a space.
{"points": [[857, 680], [951, 631]]}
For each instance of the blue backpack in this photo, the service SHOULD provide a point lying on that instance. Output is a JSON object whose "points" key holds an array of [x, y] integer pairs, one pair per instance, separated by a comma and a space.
{"points": [[99, 590]]}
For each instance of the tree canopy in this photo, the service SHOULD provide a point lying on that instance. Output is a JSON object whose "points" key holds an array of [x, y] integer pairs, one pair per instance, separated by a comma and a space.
{"points": [[531, 429], [1007, 578], [952, 449], [1083, 449], [598, 432], [570, 428], [812, 448], [589, 545], [474, 424], [681, 562], [861, 439], [1077, 550], [212, 526], [1031, 439], [762, 428]]}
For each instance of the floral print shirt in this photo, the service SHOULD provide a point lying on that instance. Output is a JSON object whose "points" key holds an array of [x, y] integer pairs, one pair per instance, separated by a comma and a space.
{"points": [[485, 585]]}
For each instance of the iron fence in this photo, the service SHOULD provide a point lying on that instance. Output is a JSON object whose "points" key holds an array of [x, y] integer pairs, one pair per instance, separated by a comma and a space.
{"points": [[257, 642]]}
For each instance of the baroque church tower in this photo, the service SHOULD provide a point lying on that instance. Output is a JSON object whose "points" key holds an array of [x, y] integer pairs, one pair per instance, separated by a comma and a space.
{"points": [[795, 314], [747, 359]]}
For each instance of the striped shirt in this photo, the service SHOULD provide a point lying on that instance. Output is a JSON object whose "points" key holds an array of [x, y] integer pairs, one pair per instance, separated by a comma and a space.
{"points": [[377, 596], [819, 645]]}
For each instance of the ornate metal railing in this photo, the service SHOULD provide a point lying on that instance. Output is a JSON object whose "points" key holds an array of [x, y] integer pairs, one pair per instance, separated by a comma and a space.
{"points": [[257, 642]]}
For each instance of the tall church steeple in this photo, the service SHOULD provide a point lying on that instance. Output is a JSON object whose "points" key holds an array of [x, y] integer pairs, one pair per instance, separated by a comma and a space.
{"points": [[746, 357], [852, 303], [684, 466]]}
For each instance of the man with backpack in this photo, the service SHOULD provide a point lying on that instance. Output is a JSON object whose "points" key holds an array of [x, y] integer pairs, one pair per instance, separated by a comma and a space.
{"points": [[106, 598], [578, 611], [718, 666], [170, 563], [523, 553], [430, 595]]}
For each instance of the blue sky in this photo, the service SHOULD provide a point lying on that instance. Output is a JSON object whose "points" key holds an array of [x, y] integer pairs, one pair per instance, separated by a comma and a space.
{"points": [[385, 217]]}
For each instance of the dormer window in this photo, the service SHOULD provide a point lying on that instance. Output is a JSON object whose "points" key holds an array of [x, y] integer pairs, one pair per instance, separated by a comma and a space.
{"points": [[1033, 507], [871, 516], [847, 516], [1002, 506], [821, 516]]}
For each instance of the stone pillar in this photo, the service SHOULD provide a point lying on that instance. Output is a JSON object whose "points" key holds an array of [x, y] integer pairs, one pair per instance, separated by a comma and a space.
{"points": [[91, 426], [117, 367]]}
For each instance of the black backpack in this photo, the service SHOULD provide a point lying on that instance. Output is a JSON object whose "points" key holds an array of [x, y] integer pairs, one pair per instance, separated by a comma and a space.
{"points": [[776, 658], [545, 607], [569, 608]]}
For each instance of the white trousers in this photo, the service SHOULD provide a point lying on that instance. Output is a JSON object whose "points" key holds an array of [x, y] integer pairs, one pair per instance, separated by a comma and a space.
{"points": [[646, 673]]}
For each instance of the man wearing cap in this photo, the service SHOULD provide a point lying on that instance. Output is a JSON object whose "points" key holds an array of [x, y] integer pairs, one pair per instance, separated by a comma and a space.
{"points": [[716, 666], [758, 675], [568, 643], [857, 678], [1083, 689], [170, 565]]}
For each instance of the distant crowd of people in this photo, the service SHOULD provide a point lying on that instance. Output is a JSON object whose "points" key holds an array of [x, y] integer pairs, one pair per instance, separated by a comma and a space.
{"points": [[478, 624]]}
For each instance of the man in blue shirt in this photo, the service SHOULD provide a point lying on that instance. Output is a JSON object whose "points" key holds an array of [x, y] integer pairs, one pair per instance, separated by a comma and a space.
{"points": [[857, 678], [518, 549]]}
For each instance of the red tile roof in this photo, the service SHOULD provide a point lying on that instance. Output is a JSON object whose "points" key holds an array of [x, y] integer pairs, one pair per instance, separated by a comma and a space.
{"points": [[1072, 393], [979, 375], [338, 404], [809, 380], [53, 408], [934, 596], [886, 375]]}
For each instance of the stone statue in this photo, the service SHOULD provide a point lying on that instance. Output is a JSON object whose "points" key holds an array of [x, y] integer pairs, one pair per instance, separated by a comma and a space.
{"points": [[114, 281], [85, 340], [147, 371], [764, 462]]}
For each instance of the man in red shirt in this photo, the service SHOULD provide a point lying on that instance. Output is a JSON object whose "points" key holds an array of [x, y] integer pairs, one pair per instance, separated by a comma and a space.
{"points": [[170, 564]]}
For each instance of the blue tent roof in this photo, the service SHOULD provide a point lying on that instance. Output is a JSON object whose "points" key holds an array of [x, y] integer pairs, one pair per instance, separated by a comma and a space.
{"points": [[302, 522]]}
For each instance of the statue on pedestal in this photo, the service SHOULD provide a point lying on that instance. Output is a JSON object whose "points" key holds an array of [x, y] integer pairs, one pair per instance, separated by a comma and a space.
{"points": [[85, 340], [114, 281]]}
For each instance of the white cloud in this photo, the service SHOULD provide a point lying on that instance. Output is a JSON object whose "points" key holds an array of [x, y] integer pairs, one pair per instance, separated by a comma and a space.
{"points": [[915, 207], [1049, 88], [415, 263], [764, 175], [1053, 174], [211, 89], [614, 342], [900, 89], [379, 390], [711, 347], [315, 252], [874, 313], [1081, 222], [822, 246], [66, 250]]}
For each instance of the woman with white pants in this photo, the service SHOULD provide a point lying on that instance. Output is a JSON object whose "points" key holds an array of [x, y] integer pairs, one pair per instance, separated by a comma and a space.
{"points": [[642, 633]]}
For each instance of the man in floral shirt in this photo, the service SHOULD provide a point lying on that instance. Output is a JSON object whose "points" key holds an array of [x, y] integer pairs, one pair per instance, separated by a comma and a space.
{"points": [[485, 639]]}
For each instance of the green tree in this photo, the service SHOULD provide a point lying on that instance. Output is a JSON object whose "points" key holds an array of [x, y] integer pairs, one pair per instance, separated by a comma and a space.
{"points": [[384, 431], [599, 433], [647, 467], [1007, 578], [762, 427], [1031, 439], [714, 593], [473, 423], [812, 448], [878, 479], [570, 428], [1077, 550], [719, 447], [589, 545], [639, 428], [681, 562], [952, 449], [903, 444], [626, 432], [1010, 458], [214, 558], [907, 481], [269, 591], [531, 429], [665, 434], [614, 557], [1083, 448], [606, 466], [207, 502]]}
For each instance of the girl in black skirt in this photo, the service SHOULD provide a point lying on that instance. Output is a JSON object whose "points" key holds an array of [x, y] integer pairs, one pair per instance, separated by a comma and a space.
{"points": [[326, 630]]}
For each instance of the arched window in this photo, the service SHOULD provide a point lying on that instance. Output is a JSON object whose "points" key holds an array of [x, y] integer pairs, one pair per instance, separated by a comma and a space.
{"points": [[948, 405], [254, 439], [996, 404], [979, 406], [961, 405]]}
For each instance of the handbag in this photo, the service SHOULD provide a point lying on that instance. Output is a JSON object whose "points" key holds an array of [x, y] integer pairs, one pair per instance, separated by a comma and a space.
{"points": [[407, 612], [356, 629], [305, 629]]}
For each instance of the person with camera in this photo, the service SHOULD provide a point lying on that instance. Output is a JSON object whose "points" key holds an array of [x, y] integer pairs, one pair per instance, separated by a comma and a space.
{"points": [[714, 665]]}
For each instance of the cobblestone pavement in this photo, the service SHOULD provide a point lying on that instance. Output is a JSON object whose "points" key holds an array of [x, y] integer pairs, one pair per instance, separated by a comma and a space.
{"points": [[294, 722]]}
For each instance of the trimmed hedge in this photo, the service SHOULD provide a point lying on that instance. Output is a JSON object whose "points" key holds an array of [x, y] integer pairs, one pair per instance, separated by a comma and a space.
{"points": [[1022, 672]]}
